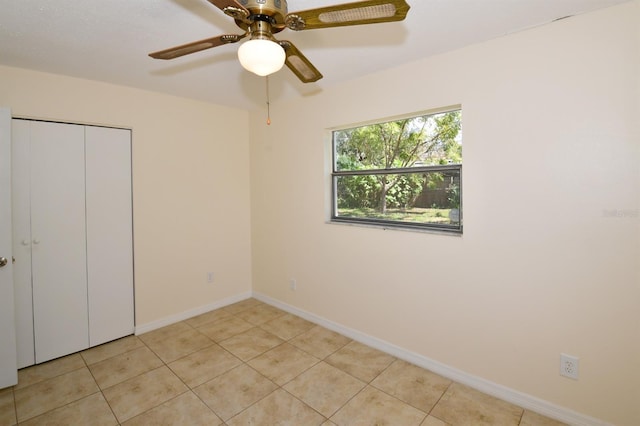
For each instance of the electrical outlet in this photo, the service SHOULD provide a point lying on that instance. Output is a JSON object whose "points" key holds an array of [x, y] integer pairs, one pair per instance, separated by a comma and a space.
{"points": [[569, 366], [292, 284], [209, 277]]}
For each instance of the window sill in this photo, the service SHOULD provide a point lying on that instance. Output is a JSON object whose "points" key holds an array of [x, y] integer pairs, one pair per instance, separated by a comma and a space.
{"points": [[394, 227]]}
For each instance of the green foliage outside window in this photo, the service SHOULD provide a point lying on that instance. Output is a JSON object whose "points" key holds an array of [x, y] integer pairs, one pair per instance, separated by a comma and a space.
{"points": [[403, 170]]}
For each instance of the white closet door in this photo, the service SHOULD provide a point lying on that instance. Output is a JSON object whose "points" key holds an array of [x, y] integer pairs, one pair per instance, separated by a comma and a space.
{"points": [[109, 234], [8, 369], [59, 270], [21, 207]]}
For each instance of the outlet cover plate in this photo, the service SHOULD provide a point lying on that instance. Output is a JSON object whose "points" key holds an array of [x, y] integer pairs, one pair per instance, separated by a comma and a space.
{"points": [[569, 366]]}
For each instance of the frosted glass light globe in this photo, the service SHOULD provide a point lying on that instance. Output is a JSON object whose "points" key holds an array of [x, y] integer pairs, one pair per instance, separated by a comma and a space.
{"points": [[261, 57]]}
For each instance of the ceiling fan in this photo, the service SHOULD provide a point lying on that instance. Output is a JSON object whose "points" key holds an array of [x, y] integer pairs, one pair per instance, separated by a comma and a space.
{"points": [[261, 19]]}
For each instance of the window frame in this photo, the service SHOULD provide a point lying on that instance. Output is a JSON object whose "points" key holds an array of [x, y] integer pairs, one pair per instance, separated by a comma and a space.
{"points": [[456, 229]]}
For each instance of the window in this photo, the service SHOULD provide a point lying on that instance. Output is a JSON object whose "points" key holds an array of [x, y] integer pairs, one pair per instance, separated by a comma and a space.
{"points": [[402, 173]]}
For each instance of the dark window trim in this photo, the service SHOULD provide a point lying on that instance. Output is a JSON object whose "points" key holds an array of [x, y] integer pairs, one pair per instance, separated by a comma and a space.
{"points": [[398, 171]]}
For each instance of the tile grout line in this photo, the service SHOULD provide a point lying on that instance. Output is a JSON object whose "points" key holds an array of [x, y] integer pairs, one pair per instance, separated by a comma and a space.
{"points": [[278, 387], [246, 364], [47, 379], [189, 388], [366, 384], [440, 399], [100, 389], [393, 396], [15, 404], [322, 360], [242, 362], [164, 364]]}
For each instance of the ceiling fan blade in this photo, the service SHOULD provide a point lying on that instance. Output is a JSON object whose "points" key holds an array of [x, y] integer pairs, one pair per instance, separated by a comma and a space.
{"points": [[299, 64], [231, 8], [197, 46], [358, 13]]}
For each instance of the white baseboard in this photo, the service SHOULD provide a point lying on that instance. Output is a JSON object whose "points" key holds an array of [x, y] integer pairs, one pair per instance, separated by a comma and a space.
{"points": [[502, 392], [163, 322]]}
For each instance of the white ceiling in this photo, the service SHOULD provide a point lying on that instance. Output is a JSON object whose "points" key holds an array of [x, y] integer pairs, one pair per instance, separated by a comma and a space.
{"points": [[109, 40]]}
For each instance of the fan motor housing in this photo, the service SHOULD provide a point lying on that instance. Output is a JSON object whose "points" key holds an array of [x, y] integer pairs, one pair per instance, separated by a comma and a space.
{"points": [[272, 11]]}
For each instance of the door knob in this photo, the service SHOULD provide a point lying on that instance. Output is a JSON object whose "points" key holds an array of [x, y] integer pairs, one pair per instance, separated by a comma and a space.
{"points": [[3, 261], [36, 241], [25, 242]]}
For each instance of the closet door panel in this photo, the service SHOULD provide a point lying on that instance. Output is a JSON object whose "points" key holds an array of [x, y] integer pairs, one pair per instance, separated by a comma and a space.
{"points": [[58, 235], [8, 360], [21, 224], [109, 234]]}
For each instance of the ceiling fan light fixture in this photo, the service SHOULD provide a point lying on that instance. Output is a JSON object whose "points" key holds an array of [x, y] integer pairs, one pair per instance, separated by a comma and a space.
{"points": [[261, 56]]}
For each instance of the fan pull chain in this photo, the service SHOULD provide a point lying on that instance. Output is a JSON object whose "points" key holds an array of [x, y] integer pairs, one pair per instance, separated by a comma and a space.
{"points": [[268, 104]]}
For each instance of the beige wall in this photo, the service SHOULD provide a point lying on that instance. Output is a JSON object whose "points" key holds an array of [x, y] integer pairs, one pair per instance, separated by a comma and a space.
{"points": [[545, 265], [190, 184]]}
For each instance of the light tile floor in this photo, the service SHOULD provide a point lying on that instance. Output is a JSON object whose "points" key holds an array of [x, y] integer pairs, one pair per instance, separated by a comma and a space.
{"points": [[245, 364]]}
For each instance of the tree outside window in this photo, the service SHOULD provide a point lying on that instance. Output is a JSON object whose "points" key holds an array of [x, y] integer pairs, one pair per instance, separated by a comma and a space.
{"points": [[402, 173]]}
